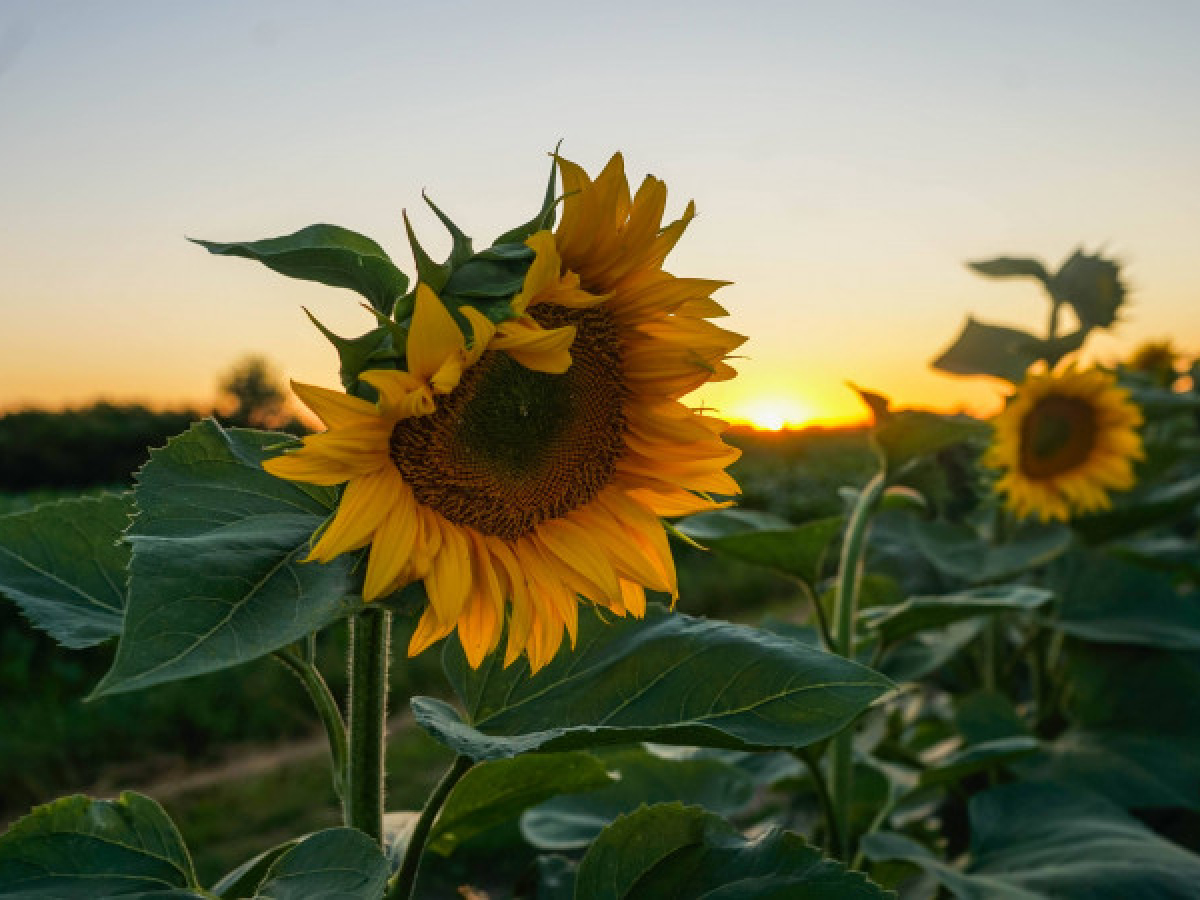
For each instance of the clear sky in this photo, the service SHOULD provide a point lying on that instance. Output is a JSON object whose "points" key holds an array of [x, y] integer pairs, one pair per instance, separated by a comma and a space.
{"points": [[845, 158]]}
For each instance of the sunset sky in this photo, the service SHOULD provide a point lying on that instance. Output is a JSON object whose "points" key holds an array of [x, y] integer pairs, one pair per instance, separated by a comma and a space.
{"points": [[845, 159]]}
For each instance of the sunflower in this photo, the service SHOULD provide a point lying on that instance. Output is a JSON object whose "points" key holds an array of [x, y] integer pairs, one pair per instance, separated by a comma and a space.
{"points": [[1065, 440], [1157, 359], [525, 466]]}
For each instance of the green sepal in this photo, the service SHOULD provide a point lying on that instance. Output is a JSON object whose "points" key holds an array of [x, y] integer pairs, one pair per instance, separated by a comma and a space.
{"points": [[461, 248], [429, 273], [360, 353], [545, 216], [327, 254]]}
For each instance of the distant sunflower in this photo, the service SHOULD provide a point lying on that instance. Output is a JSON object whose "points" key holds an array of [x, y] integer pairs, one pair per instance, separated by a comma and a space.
{"points": [[529, 467], [1158, 359], [1065, 440]]}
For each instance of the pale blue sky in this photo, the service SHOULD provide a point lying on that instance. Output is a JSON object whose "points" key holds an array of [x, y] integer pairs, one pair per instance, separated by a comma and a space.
{"points": [[845, 159]]}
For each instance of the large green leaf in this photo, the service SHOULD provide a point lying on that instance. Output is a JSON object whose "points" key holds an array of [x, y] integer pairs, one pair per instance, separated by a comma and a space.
{"points": [[669, 678], [762, 539], [65, 565], [915, 614], [913, 434], [242, 883], [217, 577], [77, 848], [327, 254], [996, 350], [1048, 842], [641, 777], [496, 792], [1110, 601], [959, 552], [671, 850], [340, 863]]}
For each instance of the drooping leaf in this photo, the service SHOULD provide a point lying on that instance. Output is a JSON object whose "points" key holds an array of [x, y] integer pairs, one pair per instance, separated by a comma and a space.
{"points": [[762, 539], [979, 758], [1011, 267], [217, 577], [995, 350], [327, 254], [1043, 841], [669, 678], [77, 848], [338, 862], [496, 792], [959, 552], [640, 777], [1110, 601], [65, 565], [669, 850], [920, 613]]}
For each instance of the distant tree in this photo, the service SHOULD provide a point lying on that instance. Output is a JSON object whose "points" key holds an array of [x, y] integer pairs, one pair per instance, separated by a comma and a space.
{"points": [[256, 392]]}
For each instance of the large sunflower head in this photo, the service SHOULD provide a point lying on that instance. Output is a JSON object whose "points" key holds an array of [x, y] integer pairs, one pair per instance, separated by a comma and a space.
{"points": [[1065, 440], [521, 457]]}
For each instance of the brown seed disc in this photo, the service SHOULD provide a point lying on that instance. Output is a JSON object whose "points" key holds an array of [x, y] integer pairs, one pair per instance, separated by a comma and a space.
{"points": [[510, 448], [1057, 436]]}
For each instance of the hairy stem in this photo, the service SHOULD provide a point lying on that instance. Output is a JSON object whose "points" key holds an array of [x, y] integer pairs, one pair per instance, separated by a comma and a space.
{"points": [[854, 547], [363, 799], [327, 708], [406, 879]]}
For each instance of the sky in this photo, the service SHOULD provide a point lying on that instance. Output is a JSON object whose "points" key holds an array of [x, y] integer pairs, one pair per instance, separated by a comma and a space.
{"points": [[846, 159]]}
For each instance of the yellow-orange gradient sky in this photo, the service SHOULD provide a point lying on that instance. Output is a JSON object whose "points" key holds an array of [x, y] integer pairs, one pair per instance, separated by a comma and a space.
{"points": [[845, 159]]}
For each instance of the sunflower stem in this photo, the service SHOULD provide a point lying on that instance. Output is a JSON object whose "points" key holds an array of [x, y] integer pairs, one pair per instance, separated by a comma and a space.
{"points": [[363, 800], [406, 879], [331, 717], [854, 545]]}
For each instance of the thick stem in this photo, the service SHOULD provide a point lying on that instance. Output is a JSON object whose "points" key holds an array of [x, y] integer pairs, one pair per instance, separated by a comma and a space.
{"points": [[369, 635], [327, 708], [406, 879], [854, 547]]}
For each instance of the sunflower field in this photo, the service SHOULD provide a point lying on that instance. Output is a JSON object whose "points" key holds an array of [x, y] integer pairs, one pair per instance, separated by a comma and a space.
{"points": [[966, 663]]}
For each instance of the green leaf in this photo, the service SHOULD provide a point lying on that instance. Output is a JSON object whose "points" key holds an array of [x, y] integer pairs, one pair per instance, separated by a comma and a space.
{"points": [[670, 678], [641, 777], [65, 564], [496, 792], [671, 850], [985, 715], [217, 577], [555, 878], [996, 350], [762, 539], [913, 434], [242, 883], [329, 255], [979, 758], [915, 614], [77, 847], [1111, 601], [928, 651], [338, 862], [959, 552], [1011, 267], [1143, 507], [1043, 841]]}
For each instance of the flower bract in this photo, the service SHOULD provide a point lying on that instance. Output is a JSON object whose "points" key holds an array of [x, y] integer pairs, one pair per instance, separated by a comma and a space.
{"points": [[516, 466], [1065, 440]]}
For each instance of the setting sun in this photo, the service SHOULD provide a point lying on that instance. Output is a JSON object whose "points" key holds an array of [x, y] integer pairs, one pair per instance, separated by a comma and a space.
{"points": [[776, 413]]}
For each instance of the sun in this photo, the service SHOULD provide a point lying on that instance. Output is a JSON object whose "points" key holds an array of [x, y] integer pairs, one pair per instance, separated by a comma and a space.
{"points": [[776, 413]]}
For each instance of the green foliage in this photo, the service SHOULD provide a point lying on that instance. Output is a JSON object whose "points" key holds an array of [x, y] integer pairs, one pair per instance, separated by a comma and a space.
{"points": [[338, 862], [669, 678], [1035, 842], [64, 564], [764, 540], [77, 847], [918, 614], [217, 577], [329, 255], [672, 850]]}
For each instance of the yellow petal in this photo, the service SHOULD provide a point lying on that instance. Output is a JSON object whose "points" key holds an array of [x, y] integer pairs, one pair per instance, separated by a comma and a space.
{"points": [[482, 331], [434, 338], [391, 551], [428, 632], [449, 577], [335, 408], [364, 503], [535, 347], [543, 274], [401, 396]]}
